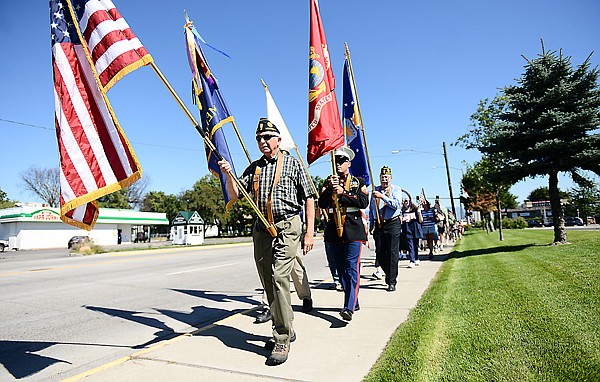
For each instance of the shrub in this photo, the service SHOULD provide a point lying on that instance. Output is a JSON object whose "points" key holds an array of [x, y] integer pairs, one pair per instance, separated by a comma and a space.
{"points": [[86, 249], [516, 223]]}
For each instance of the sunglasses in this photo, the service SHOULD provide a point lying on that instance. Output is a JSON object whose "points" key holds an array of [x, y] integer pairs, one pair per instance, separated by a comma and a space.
{"points": [[341, 159], [264, 137]]}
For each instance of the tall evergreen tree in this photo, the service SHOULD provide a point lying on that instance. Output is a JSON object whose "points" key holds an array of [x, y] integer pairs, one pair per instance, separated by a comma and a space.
{"points": [[550, 126]]}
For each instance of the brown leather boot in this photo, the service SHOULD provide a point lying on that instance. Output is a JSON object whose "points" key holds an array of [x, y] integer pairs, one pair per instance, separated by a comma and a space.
{"points": [[279, 354]]}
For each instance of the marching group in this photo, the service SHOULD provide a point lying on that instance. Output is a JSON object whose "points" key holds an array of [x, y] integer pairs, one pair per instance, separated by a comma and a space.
{"points": [[283, 193]]}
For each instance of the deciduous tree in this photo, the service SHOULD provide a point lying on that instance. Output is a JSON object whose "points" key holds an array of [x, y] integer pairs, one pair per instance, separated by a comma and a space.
{"points": [[585, 199], [158, 201], [205, 197], [131, 197], [543, 193], [5, 202], [43, 182], [485, 192]]}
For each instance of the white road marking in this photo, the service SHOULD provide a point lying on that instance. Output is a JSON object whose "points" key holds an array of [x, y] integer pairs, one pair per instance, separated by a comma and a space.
{"points": [[201, 269]]}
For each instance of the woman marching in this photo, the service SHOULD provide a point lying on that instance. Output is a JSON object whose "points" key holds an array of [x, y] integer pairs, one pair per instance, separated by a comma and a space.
{"points": [[411, 230]]}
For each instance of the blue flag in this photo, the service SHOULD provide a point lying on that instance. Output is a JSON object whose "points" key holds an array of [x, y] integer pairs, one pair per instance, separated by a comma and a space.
{"points": [[213, 110], [354, 137]]}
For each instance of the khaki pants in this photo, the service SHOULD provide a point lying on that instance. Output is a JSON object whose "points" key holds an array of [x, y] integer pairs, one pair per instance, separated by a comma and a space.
{"points": [[275, 258], [299, 277]]}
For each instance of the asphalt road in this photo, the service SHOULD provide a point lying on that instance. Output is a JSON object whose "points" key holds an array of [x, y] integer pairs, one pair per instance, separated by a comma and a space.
{"points": [[61, 315]]}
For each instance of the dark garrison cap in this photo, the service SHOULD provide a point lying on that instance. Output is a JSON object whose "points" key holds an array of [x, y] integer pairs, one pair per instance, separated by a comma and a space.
{"points": [[266, 126]]}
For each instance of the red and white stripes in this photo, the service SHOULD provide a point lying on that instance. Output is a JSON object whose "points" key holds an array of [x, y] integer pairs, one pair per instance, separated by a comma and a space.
{"points": [[114, 48]]}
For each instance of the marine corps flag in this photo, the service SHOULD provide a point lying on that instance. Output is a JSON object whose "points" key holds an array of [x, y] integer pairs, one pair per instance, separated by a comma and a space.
{"points": [[213, 110], [92, 48], [325, 131]]}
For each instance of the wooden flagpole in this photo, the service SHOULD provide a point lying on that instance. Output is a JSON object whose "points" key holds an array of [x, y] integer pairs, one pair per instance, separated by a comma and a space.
{"points": [[312, 183], [336, 202], [362, 126], [241, 141], [212, 147]]}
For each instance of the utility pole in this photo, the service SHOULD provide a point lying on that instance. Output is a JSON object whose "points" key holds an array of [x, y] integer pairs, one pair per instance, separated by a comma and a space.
{"points": [[449, 182]]}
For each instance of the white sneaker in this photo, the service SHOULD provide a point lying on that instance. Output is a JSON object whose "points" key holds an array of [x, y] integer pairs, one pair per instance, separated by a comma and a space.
{"points": [[411, 265], [417, 262], [377, 275]]}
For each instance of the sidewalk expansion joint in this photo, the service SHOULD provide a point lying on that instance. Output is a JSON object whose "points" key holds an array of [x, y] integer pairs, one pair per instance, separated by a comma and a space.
{"points": [[260, 377]]}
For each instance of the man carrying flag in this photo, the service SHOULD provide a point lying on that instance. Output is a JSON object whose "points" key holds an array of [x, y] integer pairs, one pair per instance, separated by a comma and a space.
{"points": [[299, 274], [92, 49], [352, 196], [280, 188]]}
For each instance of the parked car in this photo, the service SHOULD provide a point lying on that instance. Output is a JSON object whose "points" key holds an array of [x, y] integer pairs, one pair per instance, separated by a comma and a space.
{"points": [[79, 240], [3, 245], [534, 223], [573, 221], [140, 237]]}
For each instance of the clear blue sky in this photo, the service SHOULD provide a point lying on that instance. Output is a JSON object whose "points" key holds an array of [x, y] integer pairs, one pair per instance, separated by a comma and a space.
{"points": [[420, 69]]}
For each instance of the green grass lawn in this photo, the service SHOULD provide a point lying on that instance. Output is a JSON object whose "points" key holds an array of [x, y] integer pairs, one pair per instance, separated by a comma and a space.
{"points": [[517, 310]]}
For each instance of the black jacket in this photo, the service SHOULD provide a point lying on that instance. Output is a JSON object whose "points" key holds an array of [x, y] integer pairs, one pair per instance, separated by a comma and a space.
{"points": [[354, 227]]}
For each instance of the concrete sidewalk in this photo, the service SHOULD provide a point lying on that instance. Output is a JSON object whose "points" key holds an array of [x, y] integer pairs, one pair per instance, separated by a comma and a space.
{"points": [[327, 348]]}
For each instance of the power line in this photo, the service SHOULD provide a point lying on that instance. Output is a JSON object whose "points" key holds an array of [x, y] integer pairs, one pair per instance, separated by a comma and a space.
{"points": [[400, 152], [137, 143], [25, 124]]}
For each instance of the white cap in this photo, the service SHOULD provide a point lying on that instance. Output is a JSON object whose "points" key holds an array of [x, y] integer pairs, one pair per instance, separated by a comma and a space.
{"points": [[344, 151]]}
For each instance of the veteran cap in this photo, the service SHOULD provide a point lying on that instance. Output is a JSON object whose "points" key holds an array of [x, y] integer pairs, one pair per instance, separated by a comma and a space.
{"points": [[344, 151], [385, 170], [266, 126]]}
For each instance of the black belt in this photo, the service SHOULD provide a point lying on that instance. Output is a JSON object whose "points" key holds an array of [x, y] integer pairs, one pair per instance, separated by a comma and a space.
{"points": [[391, 220], [287, 217]]}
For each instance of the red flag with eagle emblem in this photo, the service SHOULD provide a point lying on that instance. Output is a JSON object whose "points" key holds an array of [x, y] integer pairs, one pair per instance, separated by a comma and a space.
{"points": [[325, 132]]}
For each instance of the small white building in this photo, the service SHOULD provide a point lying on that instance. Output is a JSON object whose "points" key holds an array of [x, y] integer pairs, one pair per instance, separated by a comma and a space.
{"points": [[34, 226], [188, 228]]}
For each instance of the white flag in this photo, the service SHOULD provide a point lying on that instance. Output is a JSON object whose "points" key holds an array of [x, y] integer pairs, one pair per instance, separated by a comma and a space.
{"points": [[273, 115]]}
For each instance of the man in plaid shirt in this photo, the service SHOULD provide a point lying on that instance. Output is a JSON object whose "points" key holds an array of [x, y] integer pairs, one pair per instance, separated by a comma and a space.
{"points": [[282, 204]]}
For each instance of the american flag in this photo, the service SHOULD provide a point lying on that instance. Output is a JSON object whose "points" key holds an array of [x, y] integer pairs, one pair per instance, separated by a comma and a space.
{"points": [[114, 48], [95, 156], [422, 198]]}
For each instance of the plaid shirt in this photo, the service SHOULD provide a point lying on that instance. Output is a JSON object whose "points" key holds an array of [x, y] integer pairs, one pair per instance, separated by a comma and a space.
{"points": [[292, 189]]}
